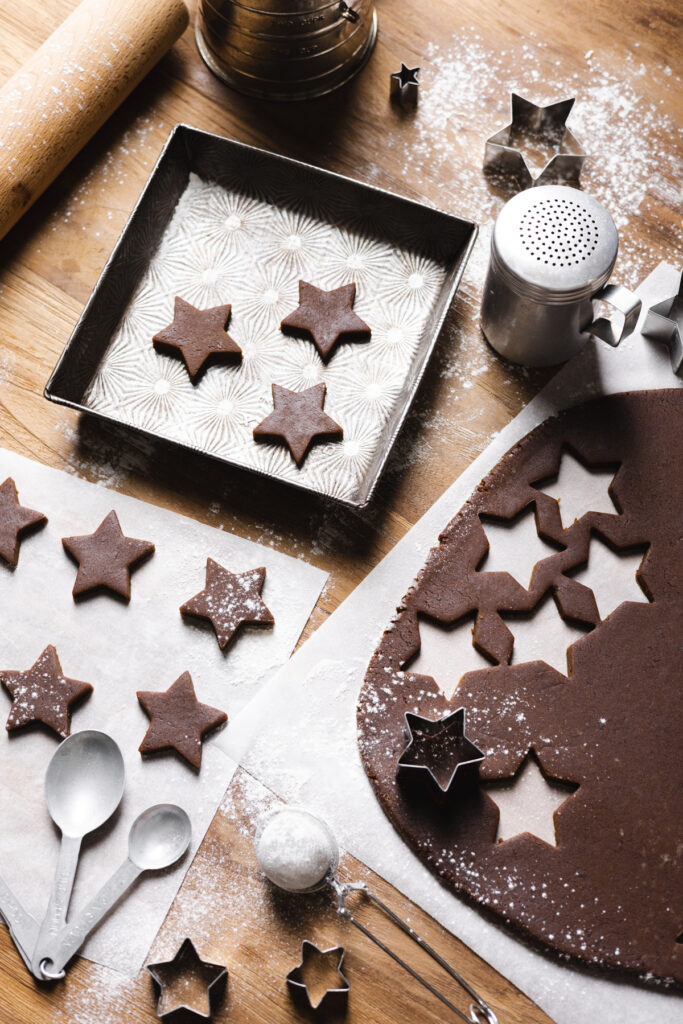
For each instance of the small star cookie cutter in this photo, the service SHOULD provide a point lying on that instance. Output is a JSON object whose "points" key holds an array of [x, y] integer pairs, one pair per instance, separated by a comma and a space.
{"points": [[332, 1000], [214, 987], [452, 750], [544, 125], [404, 86], [664, 322]]}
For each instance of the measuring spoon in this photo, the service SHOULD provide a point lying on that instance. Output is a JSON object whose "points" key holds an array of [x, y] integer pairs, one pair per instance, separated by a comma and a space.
{"points": [[83, 787], [23, 928], [157, 839]]}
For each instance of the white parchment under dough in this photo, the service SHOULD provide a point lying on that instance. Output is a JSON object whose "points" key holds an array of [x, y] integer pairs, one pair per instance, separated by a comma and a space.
{"points": [[120, 649], [314, 699]]}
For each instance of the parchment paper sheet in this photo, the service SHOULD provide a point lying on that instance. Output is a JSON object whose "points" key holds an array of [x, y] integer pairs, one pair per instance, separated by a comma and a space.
{"points": [[119, 649], [299, 737]]}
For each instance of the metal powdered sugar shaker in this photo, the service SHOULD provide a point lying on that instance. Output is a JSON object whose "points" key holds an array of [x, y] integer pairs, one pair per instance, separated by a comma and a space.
{"points": [[285, 49], [553, 250]]}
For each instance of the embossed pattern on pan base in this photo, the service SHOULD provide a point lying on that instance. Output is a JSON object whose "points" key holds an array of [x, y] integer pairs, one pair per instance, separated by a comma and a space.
{"points": [[224, 246]]}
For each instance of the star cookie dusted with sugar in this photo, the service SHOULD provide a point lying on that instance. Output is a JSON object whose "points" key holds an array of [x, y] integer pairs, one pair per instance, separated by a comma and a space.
{"points": [[178, 721], [298, 420], [198, 335], [43, 694], [327, 317], [105, 558], [14, 519], [230, 600]]}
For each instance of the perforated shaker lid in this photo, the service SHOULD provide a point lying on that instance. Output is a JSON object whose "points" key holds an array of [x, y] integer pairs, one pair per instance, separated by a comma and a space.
{"points": [[554, 243]]}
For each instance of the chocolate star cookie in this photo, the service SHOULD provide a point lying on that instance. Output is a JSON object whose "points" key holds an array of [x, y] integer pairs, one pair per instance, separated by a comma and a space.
{"points": [[199, 335], [14, 519], [178, 721], [298, 420], [43, 694], [228, 600], [326, 317], [105, 558]]}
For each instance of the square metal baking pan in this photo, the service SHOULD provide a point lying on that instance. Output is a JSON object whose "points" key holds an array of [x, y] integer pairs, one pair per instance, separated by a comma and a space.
{"points": [[220, 222]]}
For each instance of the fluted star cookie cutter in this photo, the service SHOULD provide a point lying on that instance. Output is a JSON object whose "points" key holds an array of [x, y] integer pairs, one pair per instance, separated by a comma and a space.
{"points": [[404, 86], [332, 999], [545, 126], [439, 749], [664, 322]]}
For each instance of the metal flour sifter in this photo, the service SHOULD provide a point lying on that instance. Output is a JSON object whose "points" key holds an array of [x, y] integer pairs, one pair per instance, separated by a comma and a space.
{"points": [[285, 49]]}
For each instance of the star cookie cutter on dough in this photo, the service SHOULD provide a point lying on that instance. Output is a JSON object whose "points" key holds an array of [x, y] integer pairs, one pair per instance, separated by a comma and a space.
{"points": [[404, 86], [546, 125], [451, 729], [332, 999], [664, 322]]}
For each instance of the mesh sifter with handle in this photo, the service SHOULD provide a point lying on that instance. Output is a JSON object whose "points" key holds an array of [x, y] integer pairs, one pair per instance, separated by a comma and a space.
{"points": [[553, 250]]}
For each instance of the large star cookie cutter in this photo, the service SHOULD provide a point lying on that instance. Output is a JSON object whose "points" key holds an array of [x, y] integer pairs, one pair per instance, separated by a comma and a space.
{"points": [[664, 322], [541, 126]]}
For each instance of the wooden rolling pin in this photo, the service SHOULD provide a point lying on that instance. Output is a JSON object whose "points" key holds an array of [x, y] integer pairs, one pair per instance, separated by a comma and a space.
{"points": [[71, 85]]}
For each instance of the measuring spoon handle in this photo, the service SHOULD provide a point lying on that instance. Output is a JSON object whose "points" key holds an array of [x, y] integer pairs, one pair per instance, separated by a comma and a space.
{"points": [[22, 927], [58, 905], [72, 937]]}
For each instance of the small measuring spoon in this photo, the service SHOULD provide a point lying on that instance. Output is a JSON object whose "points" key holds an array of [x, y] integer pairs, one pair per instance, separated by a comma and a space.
{"points": [[299, 853], [83, 787], [23, 928], [157, 839]]}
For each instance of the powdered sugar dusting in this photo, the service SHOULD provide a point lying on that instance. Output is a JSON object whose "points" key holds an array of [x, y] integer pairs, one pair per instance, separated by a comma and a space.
{"points": [[630, 140]]}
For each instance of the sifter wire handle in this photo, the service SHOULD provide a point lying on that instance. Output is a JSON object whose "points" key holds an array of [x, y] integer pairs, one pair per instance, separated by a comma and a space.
{"points": [[480, 1011]]}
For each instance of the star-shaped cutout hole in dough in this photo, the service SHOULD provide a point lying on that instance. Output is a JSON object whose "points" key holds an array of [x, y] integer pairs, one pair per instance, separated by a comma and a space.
{"points": [[178, 721], [187, 984], [514, 547], [14, 520], [318, 979], [298, 420], [439, 747], [611, 575], [326, 316], [43, 694], [579, 489], [230, 600], [446, 654], [199, 336], [105, 558], [528, 802], [542, 635]]}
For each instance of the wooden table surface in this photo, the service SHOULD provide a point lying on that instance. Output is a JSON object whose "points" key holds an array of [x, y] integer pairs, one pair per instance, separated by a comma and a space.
{"points": [[620, 60]]}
